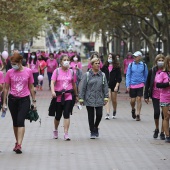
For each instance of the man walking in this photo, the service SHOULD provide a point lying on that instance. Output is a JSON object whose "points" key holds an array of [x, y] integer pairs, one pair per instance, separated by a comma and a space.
{"points": [[136, 77]]}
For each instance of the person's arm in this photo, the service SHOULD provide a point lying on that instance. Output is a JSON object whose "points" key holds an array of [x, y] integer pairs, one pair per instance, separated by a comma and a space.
{"points": [[2, 67], [128, 75], [31, 88], [52, 88], [147, 86], [6, 90], [106, 91], [160, 81], [118, 79], [145, 73], [83, 87]]}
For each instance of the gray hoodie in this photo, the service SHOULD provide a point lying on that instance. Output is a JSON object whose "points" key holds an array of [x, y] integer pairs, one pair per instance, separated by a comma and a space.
{"points": [[94, 91]]}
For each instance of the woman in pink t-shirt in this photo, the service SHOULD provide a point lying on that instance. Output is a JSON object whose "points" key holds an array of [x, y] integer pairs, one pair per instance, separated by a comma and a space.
{"points": [[129, 59], [1, 87], [51, 66], [163, 82], [76, 65], [64, 88], [33, 64], [95, 55], [19, 83], [154, 93]]}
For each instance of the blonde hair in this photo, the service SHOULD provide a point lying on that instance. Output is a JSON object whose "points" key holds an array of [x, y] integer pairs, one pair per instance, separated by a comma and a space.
{"points": [[92, 61], [166, 63], [158, 57]]}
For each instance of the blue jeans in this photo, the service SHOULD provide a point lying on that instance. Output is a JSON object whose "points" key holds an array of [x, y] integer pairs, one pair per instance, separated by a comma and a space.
{"points": [[49, 77]]}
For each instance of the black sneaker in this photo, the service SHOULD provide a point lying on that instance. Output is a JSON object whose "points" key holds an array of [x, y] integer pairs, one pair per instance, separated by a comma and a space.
{"points": [[167, 139], [162, 136], [96, 131], [114, 114], [155, 135], [133, 114], [138, 118], [92, 135]]}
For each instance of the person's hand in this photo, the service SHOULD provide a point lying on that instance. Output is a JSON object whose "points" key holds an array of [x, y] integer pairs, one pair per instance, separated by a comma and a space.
{"points": [[34, 104], [4, 106], [53, 94], [116, 89], [147, 101], [77, 99], [128, 89]]}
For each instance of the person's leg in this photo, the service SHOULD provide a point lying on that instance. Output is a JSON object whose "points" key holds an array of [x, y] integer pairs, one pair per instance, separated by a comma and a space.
{"points": [[114, 102], [166, 120], [59, 110], [108, 106], [66, 115], [139, 105], [49, 78], [99, 113], [41, 83], [35, 76], [90, 111]]}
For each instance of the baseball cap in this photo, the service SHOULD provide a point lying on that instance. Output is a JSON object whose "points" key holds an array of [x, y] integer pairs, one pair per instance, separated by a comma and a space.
{"points": [[137, 53]]}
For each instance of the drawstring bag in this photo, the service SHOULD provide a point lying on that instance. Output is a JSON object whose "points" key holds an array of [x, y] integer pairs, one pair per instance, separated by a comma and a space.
{"points": [[32, 115]]}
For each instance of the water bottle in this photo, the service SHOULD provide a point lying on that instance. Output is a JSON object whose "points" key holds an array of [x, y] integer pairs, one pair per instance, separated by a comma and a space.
{"points": [[4, 112]]}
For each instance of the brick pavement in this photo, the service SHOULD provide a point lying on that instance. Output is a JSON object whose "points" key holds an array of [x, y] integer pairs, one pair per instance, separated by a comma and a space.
{"points": [[124, 144]]}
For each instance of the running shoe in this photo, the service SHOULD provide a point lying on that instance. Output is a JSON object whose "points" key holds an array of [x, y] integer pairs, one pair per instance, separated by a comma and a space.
{"points": [[133, 113], [96, 132], [107, 117], [162, 136], [15, 146], [167, 139], [155, 135], [92, 135], [55, 134], [114, 114], [138, 118], [18, 149], [66, 137]]}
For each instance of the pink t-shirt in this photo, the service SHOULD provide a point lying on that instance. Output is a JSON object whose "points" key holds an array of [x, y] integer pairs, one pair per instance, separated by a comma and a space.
{"points": [[90, 66], [126, 62], [34, 67], [165, 92], [74, 64], [110, 67], [63, 81], [19, 81], [1, 81], [51, 65], [156, 91]]}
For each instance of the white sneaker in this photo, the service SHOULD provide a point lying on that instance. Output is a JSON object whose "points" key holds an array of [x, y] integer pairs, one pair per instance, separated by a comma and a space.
{"points": [[107, 117]]}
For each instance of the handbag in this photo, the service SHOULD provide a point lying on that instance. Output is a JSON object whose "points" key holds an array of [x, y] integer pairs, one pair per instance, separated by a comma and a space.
{"points": [[32, 115], [52, 107]]}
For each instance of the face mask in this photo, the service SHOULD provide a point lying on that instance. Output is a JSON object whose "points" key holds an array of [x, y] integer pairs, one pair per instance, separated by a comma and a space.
{"points": [[66, 63], [75, 58], [16, 67], [160, 63], [117, 59], [32, 56], [109, 60]]}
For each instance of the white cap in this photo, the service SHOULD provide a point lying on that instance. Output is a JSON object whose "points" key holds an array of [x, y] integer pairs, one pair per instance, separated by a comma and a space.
{"points": [[137, 53]]}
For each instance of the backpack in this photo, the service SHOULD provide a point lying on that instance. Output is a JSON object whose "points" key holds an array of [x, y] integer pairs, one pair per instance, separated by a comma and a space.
{"points": [[72, 72], [144, 66]]}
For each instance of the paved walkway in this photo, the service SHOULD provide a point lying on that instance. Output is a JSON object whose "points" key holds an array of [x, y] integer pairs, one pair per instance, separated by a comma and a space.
{"points": [[124, 143]]}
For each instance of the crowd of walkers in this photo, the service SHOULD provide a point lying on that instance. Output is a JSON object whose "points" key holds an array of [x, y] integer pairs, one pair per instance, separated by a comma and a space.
{"points": [[96, 88]]}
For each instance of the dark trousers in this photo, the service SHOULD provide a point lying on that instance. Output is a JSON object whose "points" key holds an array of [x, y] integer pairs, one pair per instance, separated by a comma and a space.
{"points": [[156, 108], [91, 116], [49, 77]]}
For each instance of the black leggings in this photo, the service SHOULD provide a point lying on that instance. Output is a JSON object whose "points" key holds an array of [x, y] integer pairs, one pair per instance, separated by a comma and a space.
{"points": [[63, 109], [99, 112], [156, 108], [19, 107], [35, 76]]}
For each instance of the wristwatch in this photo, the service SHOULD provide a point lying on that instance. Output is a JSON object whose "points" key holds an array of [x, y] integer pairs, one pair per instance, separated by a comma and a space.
{"points": [[34, 100]]}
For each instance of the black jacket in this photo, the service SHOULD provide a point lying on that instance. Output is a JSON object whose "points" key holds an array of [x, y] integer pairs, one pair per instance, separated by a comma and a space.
{"points": [[113, 77]]}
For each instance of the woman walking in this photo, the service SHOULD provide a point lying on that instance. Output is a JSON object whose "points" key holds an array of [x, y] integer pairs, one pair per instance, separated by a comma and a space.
{"points": [[33, 64], [19, 83], [114, 78], [51, 66], [154, 93], [163, 82], [94, 95], [63, 87]]}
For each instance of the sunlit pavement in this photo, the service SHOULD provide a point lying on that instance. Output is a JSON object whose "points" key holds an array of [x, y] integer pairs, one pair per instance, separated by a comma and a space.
{"points": [[124, 144]]}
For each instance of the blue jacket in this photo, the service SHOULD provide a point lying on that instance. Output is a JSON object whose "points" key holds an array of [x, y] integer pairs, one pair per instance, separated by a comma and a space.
{"points": [[136, 74]]}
